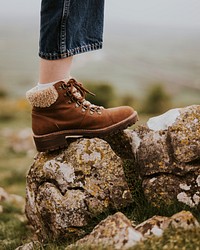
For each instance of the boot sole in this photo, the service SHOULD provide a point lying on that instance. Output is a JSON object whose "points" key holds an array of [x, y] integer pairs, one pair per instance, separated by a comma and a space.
{"points": [[58, 140]]}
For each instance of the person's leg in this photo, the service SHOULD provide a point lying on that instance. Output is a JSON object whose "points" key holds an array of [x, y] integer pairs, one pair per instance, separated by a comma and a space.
{"points": [[60, 110], [68, 27], [54, 70]]}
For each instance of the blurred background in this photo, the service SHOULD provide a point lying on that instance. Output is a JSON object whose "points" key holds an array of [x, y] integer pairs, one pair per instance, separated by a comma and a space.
{"points": [[150, 60]]}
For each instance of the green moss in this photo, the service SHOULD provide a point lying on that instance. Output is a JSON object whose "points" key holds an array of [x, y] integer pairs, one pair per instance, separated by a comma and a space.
{"points": [[9, 209], [13, 231]]}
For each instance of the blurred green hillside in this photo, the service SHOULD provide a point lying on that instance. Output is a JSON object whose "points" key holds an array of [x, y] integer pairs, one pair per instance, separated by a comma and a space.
{"points": [[131, 61]]}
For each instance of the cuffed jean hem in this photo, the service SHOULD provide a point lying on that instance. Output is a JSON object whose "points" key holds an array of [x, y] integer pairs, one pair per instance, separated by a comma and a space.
{"points": [[71, 52]]}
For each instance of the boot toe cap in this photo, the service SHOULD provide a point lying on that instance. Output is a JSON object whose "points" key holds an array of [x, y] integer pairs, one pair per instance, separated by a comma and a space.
{"points": [[122, 113]]}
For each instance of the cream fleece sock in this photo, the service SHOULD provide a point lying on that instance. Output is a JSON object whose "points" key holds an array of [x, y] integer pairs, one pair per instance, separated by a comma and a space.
{"points": [[42, 86]]}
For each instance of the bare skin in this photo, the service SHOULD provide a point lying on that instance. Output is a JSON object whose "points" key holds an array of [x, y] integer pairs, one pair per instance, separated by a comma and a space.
{"points": [[54, 70]]}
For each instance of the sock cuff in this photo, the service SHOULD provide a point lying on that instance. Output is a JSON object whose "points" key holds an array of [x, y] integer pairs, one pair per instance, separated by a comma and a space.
{"points": [[42, 86], [42, 98]]}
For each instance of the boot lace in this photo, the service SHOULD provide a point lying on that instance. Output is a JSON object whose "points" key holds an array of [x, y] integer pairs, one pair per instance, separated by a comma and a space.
{"points": [[76, 92]]}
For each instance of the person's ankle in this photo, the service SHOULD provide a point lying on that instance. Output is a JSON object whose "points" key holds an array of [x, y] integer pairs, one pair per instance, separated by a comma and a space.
{"points": [[42, 86]]}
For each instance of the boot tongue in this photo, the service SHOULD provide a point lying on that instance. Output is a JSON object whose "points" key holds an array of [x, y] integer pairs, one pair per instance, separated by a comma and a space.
{"points": [[76, 93], [77, 89]]}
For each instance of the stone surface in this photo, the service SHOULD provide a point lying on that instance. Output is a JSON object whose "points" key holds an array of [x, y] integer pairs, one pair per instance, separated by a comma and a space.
{"points": [[183, 129], [166, 189], [158, 224], [12, 199], [67, 188], [115, 231], [164, 121], [185, 220], [185, 135], [153, 153], [33, 245], [124, 143], [153, 226], [166, 154]]}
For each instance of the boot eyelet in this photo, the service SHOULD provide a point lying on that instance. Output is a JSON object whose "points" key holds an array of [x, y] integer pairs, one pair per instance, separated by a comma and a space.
{"points": [[83, 110], [84, 107], [63, 86], [91, 112], [92, 109], [77, 105]]}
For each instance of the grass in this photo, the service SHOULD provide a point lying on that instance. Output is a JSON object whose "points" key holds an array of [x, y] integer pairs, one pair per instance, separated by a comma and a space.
{"points": [[13, 166], [14, 231], [13, 170]]}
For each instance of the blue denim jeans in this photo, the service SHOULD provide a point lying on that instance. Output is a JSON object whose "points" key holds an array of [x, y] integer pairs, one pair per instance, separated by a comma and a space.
{"points": [[70, 27]]}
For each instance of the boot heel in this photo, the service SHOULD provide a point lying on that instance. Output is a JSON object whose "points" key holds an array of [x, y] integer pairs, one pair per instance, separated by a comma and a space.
{"points": [[50, 142]]}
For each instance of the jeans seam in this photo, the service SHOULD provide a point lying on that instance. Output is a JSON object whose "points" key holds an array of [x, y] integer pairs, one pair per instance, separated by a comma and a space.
{"points": [[65, 13], [71, 52]]}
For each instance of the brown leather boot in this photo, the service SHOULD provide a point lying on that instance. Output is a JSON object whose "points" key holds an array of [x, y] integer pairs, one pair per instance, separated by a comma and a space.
{"points": [[61, 111]]}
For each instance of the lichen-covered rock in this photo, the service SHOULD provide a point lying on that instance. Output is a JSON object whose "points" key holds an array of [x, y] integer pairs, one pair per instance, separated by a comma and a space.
{"points": [[153, 226], [153, 153], [158, 224], [33, 245], [185, 220], [116, 231], [13, 199], [124, 143], [167, 155], [67, 188], [185, 135], [166, 189]]}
